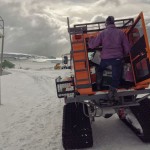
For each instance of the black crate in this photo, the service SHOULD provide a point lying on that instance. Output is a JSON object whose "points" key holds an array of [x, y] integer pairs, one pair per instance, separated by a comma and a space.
{"points": [[65, 88]]}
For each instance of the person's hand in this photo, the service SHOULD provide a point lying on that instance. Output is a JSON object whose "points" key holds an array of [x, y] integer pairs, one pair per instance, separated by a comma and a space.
{"points": [[91, 36]]}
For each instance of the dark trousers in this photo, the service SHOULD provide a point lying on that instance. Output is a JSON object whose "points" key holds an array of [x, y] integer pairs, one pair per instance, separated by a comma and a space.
{"points": [[117, 67]]}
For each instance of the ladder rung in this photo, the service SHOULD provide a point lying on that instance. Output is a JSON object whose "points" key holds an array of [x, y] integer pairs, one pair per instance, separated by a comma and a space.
{"points": [[82, 60], [82, 80], [78, 51], [77, 42], [81, 70], [81, 86]]}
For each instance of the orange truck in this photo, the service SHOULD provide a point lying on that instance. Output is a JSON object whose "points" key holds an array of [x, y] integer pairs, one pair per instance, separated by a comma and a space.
{"points": [[83, 102]]}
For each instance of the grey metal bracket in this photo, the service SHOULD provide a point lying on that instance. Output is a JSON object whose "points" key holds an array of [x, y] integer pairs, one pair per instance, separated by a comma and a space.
{"points": [[104, 95]]}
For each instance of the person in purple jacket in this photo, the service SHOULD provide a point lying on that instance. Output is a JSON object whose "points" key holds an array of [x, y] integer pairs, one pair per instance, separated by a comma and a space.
{"points": [[115, 46]]}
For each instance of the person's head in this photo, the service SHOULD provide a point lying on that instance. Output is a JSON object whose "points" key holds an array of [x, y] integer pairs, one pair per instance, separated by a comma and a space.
{"points": [[110, 20]]}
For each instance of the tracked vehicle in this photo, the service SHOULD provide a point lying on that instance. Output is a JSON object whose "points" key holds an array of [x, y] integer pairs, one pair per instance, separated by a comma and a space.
{"points": [[83, 102]]}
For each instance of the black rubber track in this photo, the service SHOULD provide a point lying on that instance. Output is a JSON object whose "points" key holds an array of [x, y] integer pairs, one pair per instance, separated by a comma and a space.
{"points": [[76, 129], [142, 114]]}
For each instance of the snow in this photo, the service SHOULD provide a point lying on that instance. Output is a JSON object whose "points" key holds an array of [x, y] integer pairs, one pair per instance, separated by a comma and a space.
{"points": [[31, 113]]}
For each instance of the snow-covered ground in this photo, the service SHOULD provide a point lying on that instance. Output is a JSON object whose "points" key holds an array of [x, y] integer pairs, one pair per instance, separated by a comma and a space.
{"points": [[31, 113]]}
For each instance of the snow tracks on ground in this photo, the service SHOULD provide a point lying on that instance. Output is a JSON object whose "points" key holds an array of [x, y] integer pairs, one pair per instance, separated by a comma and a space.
{"points": [[31, 114]]}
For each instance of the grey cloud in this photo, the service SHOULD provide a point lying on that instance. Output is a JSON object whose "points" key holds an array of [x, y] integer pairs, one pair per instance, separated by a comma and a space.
{"points": [[39, 27], [97, 18], [106, 2], [144, 1], [33, 31], [39, 38]]}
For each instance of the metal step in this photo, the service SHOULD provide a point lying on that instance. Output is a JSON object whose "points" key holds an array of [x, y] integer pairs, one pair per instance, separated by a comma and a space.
{"points": [[87, 79], [81, 86], [78, 51], [78, 42], [81, 70], [81, 60]]}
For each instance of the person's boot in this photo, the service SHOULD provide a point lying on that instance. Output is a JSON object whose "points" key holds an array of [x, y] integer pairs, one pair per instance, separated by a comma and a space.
{"points": [[98, 82], [116, 97], [98, 87], [112, 94]]}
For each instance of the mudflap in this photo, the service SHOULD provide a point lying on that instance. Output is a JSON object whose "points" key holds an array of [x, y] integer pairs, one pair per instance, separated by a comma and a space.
{"points": [[142, 115], [76, 129]]}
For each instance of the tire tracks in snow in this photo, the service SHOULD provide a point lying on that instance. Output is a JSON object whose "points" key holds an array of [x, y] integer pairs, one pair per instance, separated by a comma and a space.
{"points": [[38, 125]]}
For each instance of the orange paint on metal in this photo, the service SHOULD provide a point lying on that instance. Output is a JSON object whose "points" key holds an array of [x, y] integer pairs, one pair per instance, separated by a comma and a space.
{"points": [[86, 91]]}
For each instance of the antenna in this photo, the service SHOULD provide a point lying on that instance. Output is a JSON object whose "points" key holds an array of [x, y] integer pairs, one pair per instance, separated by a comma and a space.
{"points": [[2, 49]]}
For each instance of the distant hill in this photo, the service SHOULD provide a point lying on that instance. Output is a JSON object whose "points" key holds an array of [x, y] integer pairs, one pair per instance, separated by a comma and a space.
{"points": [[22, 56]]}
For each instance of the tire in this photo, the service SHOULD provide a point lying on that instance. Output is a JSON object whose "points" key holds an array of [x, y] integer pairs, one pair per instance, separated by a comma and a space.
{"points": [[76, 129], [142, 115]]}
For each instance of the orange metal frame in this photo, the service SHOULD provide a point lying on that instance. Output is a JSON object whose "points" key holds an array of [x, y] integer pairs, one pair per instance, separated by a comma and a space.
{"points": [[84, 55], [145, 83]]}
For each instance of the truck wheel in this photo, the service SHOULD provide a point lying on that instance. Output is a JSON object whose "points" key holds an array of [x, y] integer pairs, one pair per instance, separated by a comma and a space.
{"points": [[138, 119], [76, 129]]}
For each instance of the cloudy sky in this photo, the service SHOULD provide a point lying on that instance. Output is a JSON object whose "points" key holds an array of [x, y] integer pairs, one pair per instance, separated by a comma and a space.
{"points": [[39, 26]]}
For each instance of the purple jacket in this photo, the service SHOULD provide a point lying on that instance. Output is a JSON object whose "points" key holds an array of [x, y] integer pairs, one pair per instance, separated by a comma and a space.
{"points": [[114, 43]]}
